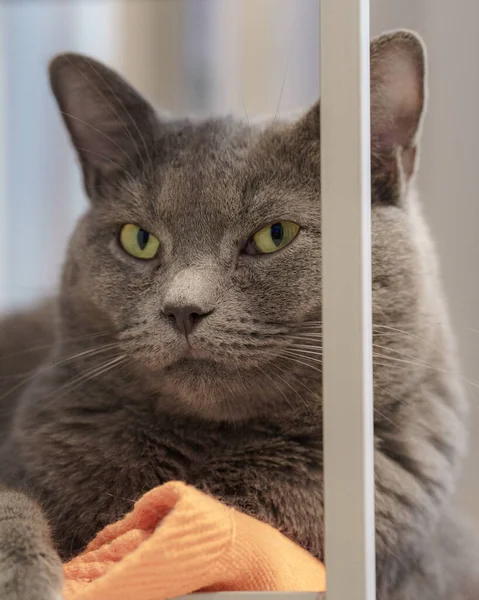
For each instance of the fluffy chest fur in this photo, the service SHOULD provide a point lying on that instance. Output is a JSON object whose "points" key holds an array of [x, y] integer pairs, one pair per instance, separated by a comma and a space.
{"points": [[89, 462]]}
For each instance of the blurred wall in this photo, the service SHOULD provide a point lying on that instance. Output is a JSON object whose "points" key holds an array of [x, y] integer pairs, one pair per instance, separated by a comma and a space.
{"points": [[253, 56], [41, 192]]}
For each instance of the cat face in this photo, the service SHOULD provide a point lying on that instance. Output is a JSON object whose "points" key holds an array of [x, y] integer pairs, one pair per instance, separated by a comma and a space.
{"points": [[202, 244], [211, 189]]}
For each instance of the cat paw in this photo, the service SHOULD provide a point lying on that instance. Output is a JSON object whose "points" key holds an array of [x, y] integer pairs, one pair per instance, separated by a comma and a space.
{"points": [[30, 568], [24, 577]]}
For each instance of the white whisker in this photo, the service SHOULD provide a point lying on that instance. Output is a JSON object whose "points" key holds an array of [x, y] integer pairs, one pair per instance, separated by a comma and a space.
{"points": [[49, 346], [294, 359], [308, 408], [310, 355], [308, 349], [88, 375], [47, 367], [277, 387]]}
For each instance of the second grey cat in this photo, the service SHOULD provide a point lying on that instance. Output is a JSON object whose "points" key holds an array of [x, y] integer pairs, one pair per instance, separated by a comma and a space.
{"points": [[185, 342]]}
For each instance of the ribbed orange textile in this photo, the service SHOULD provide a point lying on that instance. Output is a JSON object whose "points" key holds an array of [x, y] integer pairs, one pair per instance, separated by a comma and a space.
{"points": [[178, 540]]}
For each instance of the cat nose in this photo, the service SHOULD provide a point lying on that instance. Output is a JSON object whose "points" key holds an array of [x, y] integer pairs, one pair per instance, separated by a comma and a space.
{"points": [[185, 318]]}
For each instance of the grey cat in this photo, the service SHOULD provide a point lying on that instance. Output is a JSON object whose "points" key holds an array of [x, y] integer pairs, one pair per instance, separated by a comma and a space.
{"points": [[185, 342]]}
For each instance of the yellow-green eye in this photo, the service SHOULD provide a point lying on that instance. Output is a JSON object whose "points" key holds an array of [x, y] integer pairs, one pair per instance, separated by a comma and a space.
{"points": [[275, 236], [138, 242]]}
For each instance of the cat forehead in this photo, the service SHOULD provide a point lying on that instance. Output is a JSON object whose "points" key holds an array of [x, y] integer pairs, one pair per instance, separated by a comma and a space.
{"points": [[204, 138], [222, 169], [228, 140]]}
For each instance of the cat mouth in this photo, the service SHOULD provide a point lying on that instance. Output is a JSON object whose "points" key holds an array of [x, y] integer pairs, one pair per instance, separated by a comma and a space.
{"points": [[192, 364], [191, 353], [194, 361]]}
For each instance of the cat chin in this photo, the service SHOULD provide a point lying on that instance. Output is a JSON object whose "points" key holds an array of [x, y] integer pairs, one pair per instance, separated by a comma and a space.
{"points": [[209, 390], [198, 369]]}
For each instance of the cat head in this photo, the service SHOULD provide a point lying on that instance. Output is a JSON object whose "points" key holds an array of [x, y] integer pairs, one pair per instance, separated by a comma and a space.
{"points": [[201, 248]]}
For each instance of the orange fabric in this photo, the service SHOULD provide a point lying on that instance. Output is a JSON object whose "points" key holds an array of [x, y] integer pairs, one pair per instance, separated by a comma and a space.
{"points": [[178, 540]]}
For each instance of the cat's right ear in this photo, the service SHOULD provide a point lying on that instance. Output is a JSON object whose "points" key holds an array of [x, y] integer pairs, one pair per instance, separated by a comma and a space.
{"points": [[111, 125]]}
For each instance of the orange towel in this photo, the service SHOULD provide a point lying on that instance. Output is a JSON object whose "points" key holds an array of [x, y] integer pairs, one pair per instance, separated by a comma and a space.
{"points": [[178, 540]]}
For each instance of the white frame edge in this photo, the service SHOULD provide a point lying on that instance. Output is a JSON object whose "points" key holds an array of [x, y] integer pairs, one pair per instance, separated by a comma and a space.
{"points": [[347, 312], [3, 173]]}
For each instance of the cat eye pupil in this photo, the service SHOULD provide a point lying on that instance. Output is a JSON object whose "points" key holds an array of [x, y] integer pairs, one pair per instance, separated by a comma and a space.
{"points": [[138, 242], [273, 237], [142, 238], [277, 233]]}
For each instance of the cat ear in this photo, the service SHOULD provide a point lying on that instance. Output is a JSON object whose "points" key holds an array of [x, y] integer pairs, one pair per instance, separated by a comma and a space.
{"points": [[110, 124], [398, 96]]}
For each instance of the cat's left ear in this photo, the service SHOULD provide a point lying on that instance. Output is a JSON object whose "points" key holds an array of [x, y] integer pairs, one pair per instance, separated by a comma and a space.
{"points": [[398, 98], [111, 125]]}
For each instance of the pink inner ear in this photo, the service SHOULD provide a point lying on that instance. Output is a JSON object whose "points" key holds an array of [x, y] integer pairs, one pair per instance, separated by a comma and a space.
{"points": [[408, 161], [397, 98], [109, 122]]}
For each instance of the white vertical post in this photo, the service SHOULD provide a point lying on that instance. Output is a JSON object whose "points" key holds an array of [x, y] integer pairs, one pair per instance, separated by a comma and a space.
{"points": [[347, 368], [3, 159]]}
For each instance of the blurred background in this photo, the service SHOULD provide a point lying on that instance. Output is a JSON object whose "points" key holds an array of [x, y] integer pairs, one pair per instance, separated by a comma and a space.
{"points": [[249, 56]]}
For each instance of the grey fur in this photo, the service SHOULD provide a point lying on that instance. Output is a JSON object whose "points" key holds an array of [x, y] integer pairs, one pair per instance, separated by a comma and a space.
{"points": [[237, 410]]}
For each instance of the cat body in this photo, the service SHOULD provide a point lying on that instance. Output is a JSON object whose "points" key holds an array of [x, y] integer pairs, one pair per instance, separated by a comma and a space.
{"points": [[202, 362]]}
